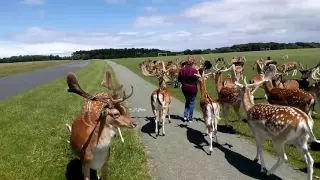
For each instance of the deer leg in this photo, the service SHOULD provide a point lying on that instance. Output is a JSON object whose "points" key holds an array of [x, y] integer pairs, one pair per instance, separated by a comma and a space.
{"points": [[294, 72], [86, 170], [164, 113], [281, 158], [104, 170], [302, 147], [236, 109], [169, 118], [156, 120], [207, 120], [259, 156], [225, 109]]}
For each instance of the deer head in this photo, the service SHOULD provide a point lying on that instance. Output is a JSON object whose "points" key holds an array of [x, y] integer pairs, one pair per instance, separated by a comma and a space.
{"points": [[112, 112], [305, 72], [246, 88]]}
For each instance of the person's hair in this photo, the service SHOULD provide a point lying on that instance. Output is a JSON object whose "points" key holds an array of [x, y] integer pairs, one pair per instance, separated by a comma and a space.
{"points": [[269, 58]]}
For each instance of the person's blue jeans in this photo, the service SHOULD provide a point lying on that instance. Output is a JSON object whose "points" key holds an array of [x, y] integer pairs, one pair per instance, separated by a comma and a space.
{"points": [[189, 105]]}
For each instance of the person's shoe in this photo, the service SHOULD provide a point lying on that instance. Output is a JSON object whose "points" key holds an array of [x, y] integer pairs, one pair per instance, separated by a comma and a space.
{"points": [[185, 119], [190, 120]]}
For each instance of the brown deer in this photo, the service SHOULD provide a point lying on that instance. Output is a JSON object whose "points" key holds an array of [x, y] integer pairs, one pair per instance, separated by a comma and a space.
{"points": [[92, 131], [160, 101], [289, 97], [289, 66], [210, 109], [227, 97], [280, 124], [228, 81]]}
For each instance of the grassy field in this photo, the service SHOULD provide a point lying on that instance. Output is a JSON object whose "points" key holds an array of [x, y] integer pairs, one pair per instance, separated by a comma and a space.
{"points": [[306, 56], [7, 69], [33, 141]]}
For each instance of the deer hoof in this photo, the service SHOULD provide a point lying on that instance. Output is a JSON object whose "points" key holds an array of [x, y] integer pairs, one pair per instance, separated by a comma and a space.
{"points": [[255, 160], [264, 172]]}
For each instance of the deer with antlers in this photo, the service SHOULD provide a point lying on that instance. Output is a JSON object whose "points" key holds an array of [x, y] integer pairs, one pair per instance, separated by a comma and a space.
{"points": [[289, 97], [209, 107], [93, 129], [160, 101], [227, 97], [228, 81], [280, 124]]}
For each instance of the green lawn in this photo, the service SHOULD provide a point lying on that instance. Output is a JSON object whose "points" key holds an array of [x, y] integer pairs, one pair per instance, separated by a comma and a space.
{"points": [[7, 69], [306, 56], [33, 140]]}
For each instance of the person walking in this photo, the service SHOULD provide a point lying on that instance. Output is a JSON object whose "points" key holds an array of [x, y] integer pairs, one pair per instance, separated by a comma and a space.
{"points": [[189, 88]]}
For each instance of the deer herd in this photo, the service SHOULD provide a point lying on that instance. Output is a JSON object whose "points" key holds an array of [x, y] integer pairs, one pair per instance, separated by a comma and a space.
{"points": [[286, 118]]}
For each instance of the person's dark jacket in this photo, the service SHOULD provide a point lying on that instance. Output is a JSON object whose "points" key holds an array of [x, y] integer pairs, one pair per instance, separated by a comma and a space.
{"points": [[188, 79]]}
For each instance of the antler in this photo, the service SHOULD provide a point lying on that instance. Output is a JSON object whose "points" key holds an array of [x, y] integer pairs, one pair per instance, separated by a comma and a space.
{"points": [[74, 87], [270, 72]]}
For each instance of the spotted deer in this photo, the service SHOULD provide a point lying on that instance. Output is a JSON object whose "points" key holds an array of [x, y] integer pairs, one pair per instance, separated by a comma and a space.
{"points": [[227, 97], [94, 128], [289, 97], [280, 124], [210, 109], [160, 101], [289, 66]]}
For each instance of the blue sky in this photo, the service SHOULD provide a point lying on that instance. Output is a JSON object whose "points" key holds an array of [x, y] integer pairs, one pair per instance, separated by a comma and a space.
{"points": [[60, 27]]}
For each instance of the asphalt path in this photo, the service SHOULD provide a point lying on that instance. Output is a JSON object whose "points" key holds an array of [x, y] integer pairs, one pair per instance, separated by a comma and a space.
{"points": [[15, 84], [182, 153]]}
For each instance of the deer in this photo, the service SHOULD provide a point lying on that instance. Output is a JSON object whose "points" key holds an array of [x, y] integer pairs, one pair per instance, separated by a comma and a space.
{"points": [[278, 80], [160, 101], [227, 96], [209, 107], [284, 57], [261, 66], [289, 97], [94, 128], [228, 81], [288, 66], [280, 124]]}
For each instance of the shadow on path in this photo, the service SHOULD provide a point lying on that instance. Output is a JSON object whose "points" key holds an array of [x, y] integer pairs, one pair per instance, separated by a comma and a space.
{"points": [[243, 164], [195, 137]]}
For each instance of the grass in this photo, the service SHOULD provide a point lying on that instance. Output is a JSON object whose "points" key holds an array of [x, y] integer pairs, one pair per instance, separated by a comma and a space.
{"points": [[7, 69], [306, 56], [33, 141]]}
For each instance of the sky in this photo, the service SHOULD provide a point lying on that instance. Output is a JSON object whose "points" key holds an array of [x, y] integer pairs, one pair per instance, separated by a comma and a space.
{"points": [[64, 26]]}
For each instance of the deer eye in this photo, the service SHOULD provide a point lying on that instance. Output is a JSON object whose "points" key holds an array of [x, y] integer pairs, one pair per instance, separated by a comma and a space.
{"points": [[116, 115]]}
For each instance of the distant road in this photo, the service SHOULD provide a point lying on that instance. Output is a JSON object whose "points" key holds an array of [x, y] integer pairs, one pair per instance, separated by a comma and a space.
{"points": [[15, 84]]}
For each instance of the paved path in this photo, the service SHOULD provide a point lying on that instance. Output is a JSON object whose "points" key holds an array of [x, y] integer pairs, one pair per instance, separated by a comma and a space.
{"points": [[179, 154], [15, 84]]}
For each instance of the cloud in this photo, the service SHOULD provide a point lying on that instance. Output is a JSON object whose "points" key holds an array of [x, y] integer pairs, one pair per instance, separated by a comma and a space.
{"points": [[33, 2], [203, 25], [151, 21], [250, 17], [150, 9]]}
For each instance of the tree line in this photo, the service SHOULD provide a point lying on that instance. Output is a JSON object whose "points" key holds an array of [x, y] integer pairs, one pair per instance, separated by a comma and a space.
{"points": [[143, 52]]}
